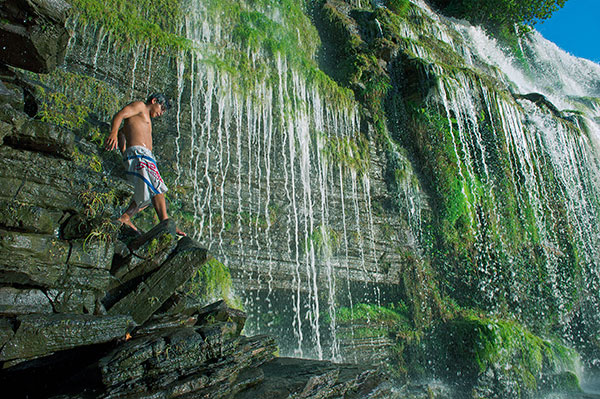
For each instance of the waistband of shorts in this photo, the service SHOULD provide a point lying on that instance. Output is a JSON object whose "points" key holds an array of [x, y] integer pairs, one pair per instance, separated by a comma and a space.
{"points": [[137, 150]]}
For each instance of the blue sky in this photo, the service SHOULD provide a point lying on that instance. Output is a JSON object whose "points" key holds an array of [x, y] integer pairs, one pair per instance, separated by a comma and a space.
{"points": [[575, 28]]}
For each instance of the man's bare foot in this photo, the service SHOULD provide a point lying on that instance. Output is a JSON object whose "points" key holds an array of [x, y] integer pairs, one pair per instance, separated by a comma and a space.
{"points": [[127, 222]]}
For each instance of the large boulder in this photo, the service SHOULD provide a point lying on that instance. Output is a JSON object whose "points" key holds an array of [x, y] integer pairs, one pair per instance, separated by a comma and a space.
{"points": [[33, 34]]}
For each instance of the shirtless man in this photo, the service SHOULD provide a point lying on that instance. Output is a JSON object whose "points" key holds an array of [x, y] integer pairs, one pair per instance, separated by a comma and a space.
{"points": [[134, 140]]}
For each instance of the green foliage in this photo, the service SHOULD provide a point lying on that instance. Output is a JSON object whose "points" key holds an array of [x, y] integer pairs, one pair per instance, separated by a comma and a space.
{"points": [[276, 25], [502, 12], [324, 240], [58, 110], [74, 101], [87, 161], [102, 231], [274, 29], [256, 30], [83, 92], [97, 203], [399, 7], [442, 161], [97, 210], [393, 315]]}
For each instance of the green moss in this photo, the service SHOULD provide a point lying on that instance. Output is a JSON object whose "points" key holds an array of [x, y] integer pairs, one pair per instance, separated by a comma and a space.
{"points": [[100, 98], [153, 22], [324, 241], [399, 7], [435, 140], [75, 102], [280, 26], [493, 207], [566, 381], [58, 110], [211, 281], [347, 152], [159, 244]]}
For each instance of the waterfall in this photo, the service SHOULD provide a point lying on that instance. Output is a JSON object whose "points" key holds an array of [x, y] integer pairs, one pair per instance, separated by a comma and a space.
{"points": [[546, 119], [269, 161], [262, 144]]}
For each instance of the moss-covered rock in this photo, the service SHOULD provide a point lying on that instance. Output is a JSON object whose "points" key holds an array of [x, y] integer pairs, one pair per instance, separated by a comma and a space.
{"points": [[493, 355]]}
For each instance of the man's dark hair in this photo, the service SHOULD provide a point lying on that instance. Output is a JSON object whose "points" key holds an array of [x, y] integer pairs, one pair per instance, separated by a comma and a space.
{"points": [[161, 99]]}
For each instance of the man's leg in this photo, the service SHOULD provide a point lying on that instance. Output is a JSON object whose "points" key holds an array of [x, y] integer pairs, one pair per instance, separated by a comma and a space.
{"points": [[128, 214], [160, 206]]}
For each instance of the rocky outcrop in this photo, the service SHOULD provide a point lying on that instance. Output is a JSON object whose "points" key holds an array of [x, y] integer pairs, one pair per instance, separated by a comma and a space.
{"points": [[151, 293], [203, 360], [33, 34], [138, 350]]}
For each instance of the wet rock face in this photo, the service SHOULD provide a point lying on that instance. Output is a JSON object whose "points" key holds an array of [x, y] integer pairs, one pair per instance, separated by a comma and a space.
{"points": [[56, 239], [39, 335], [299, 378], [14, 301], [32, 33]]}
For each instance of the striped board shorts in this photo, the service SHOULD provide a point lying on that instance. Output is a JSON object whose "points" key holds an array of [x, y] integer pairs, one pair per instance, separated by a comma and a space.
{"points": [[142, 172]]}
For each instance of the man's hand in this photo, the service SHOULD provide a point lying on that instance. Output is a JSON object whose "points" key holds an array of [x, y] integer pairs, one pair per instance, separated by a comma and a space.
{"points": [[111, 142]]}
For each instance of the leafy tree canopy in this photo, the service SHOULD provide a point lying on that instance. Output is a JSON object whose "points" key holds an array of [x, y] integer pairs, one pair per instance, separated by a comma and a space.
{"points": [[500, 13]]}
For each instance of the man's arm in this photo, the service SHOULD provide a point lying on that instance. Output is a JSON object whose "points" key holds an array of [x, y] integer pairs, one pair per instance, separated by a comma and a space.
{"points": [[127, 112]]}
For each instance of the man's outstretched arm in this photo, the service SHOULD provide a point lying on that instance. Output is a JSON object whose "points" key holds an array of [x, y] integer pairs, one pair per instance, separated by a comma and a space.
{"points": [[127, 112]]}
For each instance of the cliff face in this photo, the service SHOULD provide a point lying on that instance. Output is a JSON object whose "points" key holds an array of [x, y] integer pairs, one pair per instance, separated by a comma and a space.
{"points": [[89, 308], [372, 174]]}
